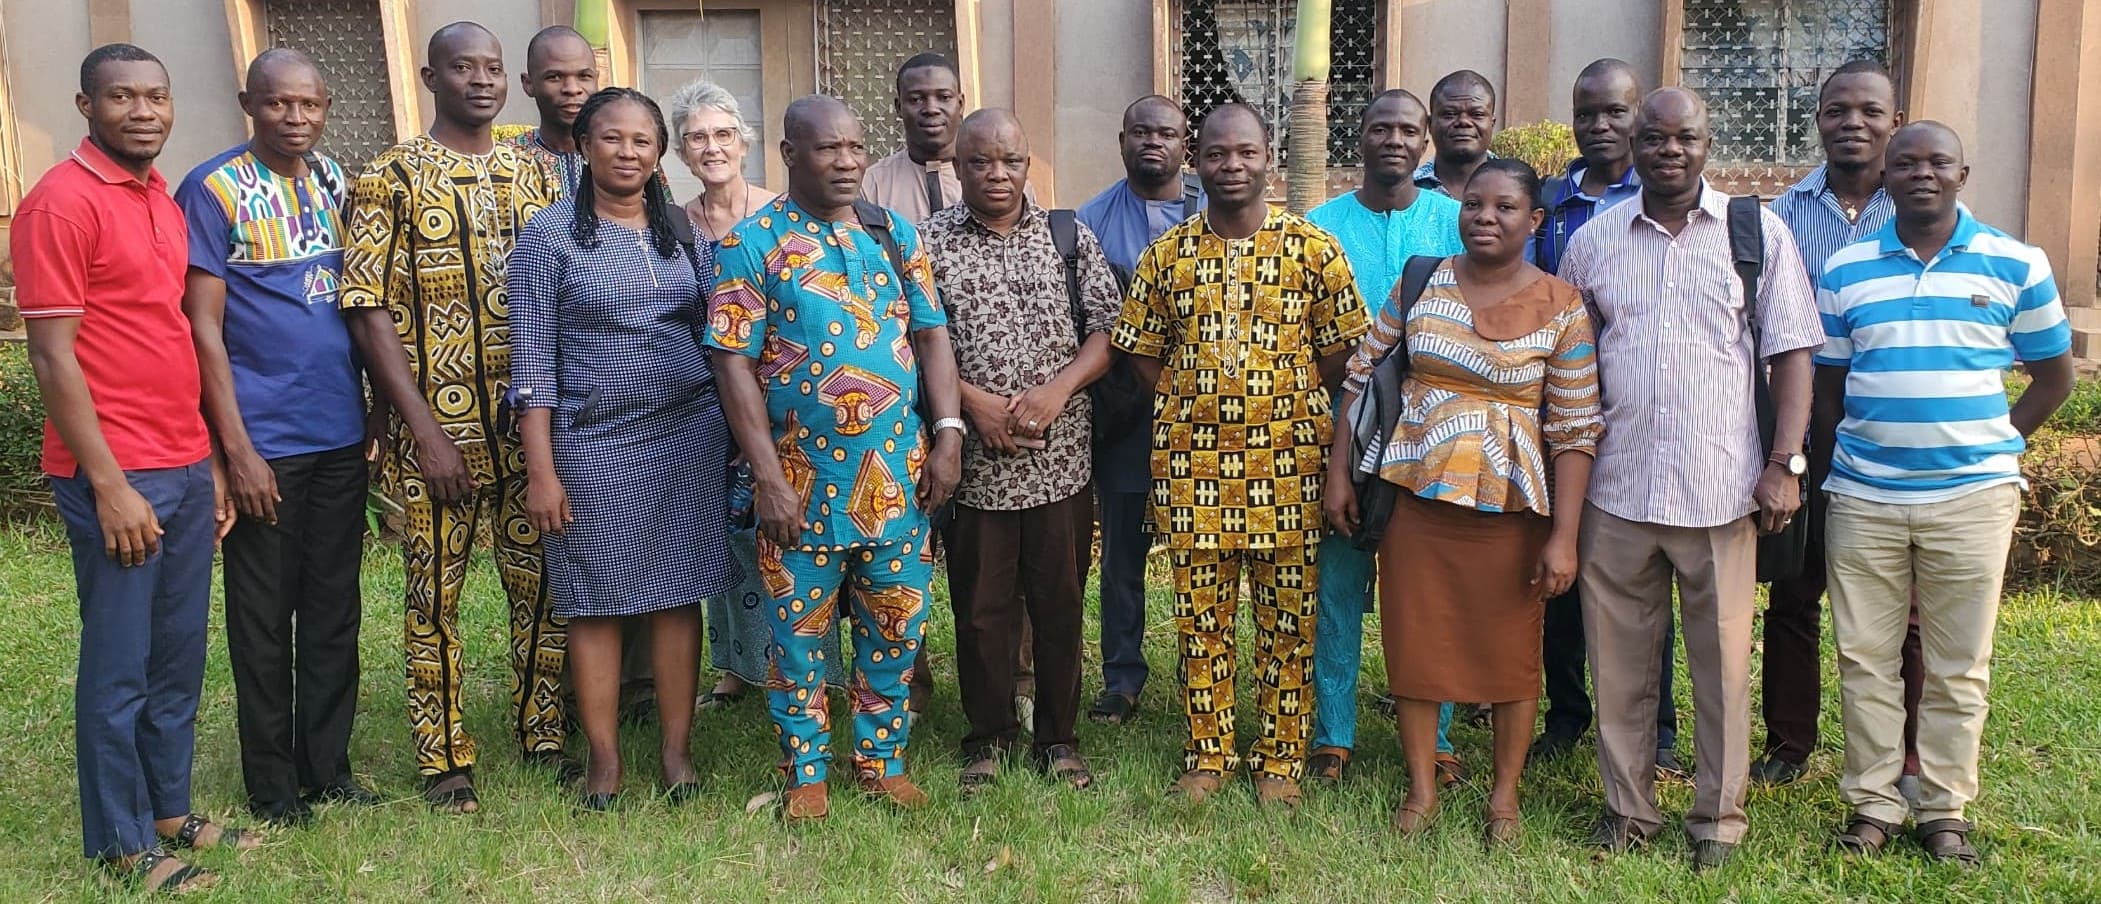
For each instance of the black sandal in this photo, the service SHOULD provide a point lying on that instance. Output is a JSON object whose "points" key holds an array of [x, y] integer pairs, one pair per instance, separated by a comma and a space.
{"points": [[1062, 762], [193, 826], [452, 792], [1327, 764], [1865, 836], [1112, 708], [567, 769], [139, 874], [1948, 841], [981, 772]]}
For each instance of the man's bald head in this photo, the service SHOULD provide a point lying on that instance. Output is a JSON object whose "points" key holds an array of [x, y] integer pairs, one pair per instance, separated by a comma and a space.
{"points": [[988, 125], [552, 40], [1672, 104], [279, 63], [1928, 134], [1153, 104], [449, 40], [1231, 117], [807, 114]]}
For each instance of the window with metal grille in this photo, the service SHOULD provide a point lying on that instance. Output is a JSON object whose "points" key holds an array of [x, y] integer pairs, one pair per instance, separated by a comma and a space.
{"points": [[1760, 64], [344, 37], [722, 47], [1240, 50], [860, 44]]}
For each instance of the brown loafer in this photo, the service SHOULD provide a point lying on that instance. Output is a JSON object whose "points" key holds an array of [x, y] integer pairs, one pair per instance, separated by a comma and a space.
{"points": [[896, 789], [1196, 786], [1272, 790], [807, 803]]}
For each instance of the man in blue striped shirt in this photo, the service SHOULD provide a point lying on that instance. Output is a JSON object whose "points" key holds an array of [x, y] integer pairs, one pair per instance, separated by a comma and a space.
{"points": [[1921, 320], [1838, 203]]}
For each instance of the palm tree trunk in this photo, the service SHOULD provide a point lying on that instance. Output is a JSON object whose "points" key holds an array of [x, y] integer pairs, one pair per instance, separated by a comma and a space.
{"points": [[1307, 135], [593, 21]]}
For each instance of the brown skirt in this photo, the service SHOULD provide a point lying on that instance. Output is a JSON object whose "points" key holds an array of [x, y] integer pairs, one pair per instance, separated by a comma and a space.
{"points": [[1459, 614]]}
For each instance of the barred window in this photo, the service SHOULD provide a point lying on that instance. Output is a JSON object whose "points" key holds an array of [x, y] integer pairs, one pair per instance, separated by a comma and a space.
{"points": [[860, 44], [344, 38], [1760, 64], [1240, 50], [722, 47]]}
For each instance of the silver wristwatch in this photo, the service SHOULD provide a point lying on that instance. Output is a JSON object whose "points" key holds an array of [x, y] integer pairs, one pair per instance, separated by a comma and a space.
{"points": [[952, 423]]}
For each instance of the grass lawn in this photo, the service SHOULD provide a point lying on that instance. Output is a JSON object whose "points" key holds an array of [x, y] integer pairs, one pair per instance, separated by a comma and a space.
{"points": [[1024, 840]]}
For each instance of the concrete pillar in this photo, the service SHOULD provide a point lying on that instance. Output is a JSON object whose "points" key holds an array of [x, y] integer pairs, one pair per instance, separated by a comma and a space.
{"points": [[2064, 164]]}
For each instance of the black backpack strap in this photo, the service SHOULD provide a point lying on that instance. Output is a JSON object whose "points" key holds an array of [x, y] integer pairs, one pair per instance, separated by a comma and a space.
{"points": [[876, 220], [1747, 252], [1550, 190], [1192, 189], [1065, 233], [1415, 277]]}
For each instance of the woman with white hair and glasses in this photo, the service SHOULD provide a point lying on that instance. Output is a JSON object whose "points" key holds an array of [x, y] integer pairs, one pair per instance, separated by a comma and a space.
{"points": [[711, 136], [713, 139]]}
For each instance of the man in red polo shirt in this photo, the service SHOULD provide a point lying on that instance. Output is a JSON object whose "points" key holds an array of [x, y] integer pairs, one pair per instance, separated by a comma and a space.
{"points": [[100, 251]]}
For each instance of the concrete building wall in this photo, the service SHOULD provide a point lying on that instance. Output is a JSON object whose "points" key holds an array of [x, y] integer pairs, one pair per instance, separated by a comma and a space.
{"points": [[1586, 30], [1998, 145], [1439, 36], [43, 69], [1091, 95]]}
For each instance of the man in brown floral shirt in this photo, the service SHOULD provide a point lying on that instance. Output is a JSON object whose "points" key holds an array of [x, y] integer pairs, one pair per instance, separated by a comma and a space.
{"points": [[1025, 509]]}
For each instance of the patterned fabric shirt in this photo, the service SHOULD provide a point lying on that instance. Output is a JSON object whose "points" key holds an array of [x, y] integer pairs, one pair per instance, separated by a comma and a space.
{"points": [[1471, 431], [1925, 344], [277, 244], [830, 322], [430, 228], [1812, 212], [1681, 445], [562, 169], [1010, 319], [1242, 424]]}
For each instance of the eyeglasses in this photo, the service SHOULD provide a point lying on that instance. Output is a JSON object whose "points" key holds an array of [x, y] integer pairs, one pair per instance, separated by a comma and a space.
{"points": [[723, 137]]}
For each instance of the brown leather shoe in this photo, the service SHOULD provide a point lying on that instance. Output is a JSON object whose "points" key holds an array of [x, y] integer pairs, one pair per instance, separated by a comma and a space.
{"points": [[806, 803], [897, 789]]}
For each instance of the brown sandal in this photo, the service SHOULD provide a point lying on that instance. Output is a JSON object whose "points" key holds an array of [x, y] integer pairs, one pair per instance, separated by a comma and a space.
{"points": [[1271, 790], [1328, 763], [1196, 786], [1864, 836], [1413, 817], [980, 773], [1948, 841], [1502, 831], [1450, 772]]}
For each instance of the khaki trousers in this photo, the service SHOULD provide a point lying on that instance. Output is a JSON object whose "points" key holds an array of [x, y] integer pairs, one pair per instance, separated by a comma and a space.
{"points": [[1954, 553], [1627, 572]]}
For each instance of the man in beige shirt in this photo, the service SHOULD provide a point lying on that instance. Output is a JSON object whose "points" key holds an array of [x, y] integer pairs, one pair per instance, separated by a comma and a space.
{"points": [[920, 178]]}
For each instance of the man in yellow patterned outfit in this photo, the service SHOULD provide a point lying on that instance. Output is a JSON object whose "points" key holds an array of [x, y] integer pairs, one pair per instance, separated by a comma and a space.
{"points": [[1250, 312], [432, 220]]}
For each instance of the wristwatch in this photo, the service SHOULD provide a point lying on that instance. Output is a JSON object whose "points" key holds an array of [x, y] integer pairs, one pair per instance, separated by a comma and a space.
{"points": [[1796, 463], [952, 423]]}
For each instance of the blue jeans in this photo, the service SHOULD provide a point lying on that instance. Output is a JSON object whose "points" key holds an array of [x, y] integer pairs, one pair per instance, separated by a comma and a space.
{"points": [[142, 646], [1346, 575]]}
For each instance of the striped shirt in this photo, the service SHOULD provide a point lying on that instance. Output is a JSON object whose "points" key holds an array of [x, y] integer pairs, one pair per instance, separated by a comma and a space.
{"points": [[1926, 344], [1812, 212], [1681, 445]]}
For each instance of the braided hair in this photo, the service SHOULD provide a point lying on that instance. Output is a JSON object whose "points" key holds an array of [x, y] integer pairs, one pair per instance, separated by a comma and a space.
{"points": [[656, 195]]}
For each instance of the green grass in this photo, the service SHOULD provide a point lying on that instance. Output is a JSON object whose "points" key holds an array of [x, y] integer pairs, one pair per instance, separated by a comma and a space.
{"points": [[1024, 840]]}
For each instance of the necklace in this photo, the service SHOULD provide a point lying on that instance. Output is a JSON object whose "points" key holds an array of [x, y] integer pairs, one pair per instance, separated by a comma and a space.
{"points": [[707, 229]]}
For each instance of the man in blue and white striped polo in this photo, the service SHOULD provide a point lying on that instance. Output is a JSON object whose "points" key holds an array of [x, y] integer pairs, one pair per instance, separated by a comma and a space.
{"points": [[1921, 320]]}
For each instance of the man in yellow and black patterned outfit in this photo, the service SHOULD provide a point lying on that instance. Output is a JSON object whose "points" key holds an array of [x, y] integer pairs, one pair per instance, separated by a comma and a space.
{"points": [[432, 220]]}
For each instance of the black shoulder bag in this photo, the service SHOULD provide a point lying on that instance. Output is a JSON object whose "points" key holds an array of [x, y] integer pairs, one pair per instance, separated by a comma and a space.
{"points": [[1378, 412], [1122, 402], [1780, 556], [876, 220]]}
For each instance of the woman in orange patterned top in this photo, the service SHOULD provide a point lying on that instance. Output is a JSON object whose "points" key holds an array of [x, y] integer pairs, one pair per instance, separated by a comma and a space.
{"points": [[1502, 382]]}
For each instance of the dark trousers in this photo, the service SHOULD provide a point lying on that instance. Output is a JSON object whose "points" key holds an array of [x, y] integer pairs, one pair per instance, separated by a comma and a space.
{"points": [[1125, 544], [142, 644], [1007, 570], [292, 615], [1793, 687], [1568, 702]]}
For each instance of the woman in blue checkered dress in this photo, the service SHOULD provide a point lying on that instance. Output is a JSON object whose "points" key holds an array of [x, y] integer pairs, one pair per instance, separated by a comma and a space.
{"points": [[627, 452]]}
